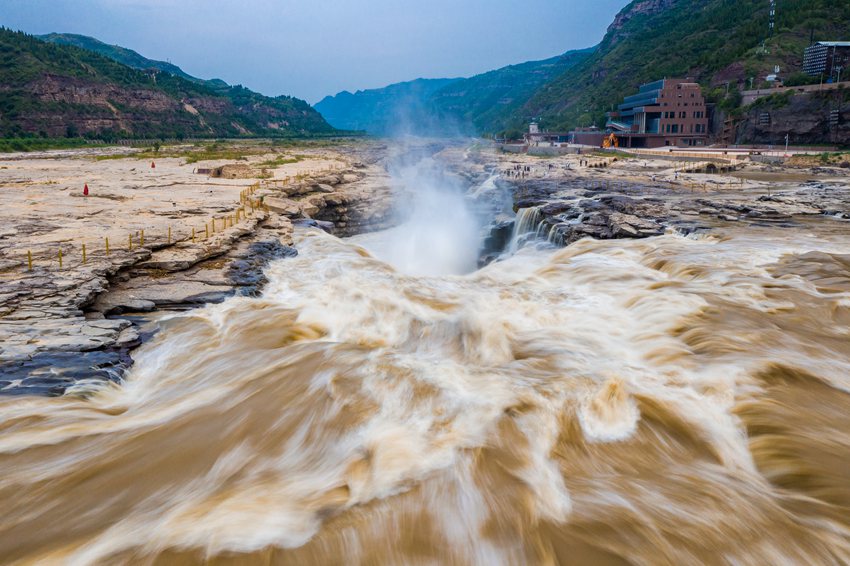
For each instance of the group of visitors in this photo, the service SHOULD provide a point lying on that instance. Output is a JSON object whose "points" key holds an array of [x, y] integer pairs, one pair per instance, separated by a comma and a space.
{"points": [[518, 171]]}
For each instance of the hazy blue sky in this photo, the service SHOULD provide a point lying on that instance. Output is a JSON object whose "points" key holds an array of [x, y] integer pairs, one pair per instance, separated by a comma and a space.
{"points": [[311, 48]]}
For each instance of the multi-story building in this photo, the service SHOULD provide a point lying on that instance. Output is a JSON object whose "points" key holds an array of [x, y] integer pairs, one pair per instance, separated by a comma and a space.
{"points": [[669, 112], [827, 58]]}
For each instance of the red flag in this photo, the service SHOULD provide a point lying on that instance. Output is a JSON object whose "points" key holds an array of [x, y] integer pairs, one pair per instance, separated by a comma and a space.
{"points": [[153, 165], [86, 190]]}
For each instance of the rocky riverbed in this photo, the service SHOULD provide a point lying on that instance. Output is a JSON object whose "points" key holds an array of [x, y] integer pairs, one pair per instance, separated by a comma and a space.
{"points": [[175, 242], [562, 201], [178, 243]]}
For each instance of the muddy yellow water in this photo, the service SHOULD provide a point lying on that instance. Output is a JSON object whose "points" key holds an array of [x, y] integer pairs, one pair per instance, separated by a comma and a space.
{"points": [[664, 401]]}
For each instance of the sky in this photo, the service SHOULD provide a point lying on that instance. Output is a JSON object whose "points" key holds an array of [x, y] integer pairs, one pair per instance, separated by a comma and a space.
{"points": [[313, 48]]}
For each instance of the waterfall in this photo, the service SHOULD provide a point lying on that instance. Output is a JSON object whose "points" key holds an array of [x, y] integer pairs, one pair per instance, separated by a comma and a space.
{"points": [[527, 226]]}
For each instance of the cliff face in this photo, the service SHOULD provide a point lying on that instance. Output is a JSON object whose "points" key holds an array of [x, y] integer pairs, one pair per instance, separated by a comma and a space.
{"points": [[61, 104], [816, 118]]}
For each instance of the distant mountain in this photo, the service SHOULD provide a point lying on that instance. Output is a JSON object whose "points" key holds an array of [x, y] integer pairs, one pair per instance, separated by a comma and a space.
{"points": [[53, 89], [483, 103], [488, 101], [713, 41], [383, 110]]}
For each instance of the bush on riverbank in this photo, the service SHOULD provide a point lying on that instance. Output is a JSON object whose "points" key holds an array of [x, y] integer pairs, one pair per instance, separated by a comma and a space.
{"points": [[9, 145]]}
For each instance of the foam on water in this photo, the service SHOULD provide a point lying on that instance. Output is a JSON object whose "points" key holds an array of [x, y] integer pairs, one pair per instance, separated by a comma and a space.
{"points": [[383, 403]]}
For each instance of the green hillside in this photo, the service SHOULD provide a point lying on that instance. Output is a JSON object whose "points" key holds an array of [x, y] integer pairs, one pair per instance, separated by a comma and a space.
{"points": [[713, 41], [483, 103], [126, 56], [116, 53], [488, 101], [52, 90]]}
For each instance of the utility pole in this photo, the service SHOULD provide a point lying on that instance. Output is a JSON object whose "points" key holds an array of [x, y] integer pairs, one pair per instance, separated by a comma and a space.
{"points": [[772, 18], [786, 143]]}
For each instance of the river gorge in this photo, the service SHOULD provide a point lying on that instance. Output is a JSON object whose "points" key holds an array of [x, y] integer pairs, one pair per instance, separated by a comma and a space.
{"points": [[676, 396]]}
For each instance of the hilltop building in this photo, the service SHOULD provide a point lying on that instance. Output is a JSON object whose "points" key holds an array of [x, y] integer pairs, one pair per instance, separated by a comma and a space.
{"points": [[534, 137], [669, 112], [826, 58]]}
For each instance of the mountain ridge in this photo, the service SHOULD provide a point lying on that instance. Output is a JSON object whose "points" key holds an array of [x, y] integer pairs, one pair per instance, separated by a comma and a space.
{"points": [[53, 90], [468, 105], [125, 56]]}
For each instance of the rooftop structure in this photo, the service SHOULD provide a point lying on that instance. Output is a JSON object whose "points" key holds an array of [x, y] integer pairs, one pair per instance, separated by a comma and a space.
{"points": [[669, 112]]}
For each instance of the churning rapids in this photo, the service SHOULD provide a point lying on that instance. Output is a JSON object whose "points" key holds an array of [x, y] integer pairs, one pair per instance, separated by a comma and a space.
{"points": [[671, 400]]}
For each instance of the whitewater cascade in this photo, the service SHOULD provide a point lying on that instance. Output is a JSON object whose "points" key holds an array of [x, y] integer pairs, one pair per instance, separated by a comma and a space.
{"points": [[660, 401], [440, 233]]}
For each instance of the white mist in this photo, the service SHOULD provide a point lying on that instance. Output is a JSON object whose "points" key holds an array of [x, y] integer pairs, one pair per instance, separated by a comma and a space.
{"points": [[439, 234]]}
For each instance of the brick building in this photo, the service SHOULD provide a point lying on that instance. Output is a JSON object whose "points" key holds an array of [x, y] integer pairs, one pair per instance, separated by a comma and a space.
{"points": [[669, 112]]}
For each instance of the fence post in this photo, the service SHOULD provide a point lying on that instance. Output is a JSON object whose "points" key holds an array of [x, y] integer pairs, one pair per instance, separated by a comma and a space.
{"points": [[84, 253], [169, 234], [207, 230], [193, 235], [29, 259], [107, 246], [60, 258], [213, 224]]}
